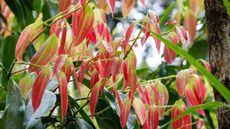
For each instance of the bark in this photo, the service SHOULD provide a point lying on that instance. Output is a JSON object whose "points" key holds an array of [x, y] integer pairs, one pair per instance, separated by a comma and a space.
{"points": [[218, 26]]}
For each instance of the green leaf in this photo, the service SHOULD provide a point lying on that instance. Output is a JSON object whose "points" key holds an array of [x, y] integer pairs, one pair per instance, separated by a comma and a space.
{"points": [[33, 119], [15, 107], [8, 50], [215, 82], [166, 13], [227, 6]]}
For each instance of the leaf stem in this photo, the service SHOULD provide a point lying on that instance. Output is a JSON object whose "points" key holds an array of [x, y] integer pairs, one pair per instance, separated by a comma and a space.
{"points": [[161, 78]]}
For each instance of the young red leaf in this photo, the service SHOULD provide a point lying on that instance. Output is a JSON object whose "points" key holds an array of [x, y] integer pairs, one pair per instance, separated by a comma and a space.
{"points": [[62, 81], [83, 24], [184, 122], [127, 6], [195, 92], [40, 86], [124, 112], [200, 124], [190, 24], [63, 39], [76, 80], [63, 5], [45, 54], [153, 119], [94, 97], [182, 79], [67, 68], [25, 37], [139, 108], [206, 65], [92, 36], [115, 68], [127, 37], [182, 34], [111, 4], [164, 97], [25, 84], [59, 62], [169, 55], [94, 78], [56, 28]]}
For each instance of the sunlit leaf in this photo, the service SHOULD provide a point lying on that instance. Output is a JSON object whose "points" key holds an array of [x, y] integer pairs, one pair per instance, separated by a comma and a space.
{"points": [[127, 6]]}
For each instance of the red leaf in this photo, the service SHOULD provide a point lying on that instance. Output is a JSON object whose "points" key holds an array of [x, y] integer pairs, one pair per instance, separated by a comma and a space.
{"points": [[169, 54], [143, 2], [182, 34], [25, 37], [206, 65], [200, 124], [171, 22], [67, 68], [139, 108], [182, 79], [124, 112], [76, 80], [184, 122], [62, 81], [63, 5], [59, 62], [45, 54], [153, 119], [40, 86], [190, 24], [92, 36], [82, 23], [94, 97], [63, 39], [56, 28], [195, 92], [94, 78], [111, 4], [127, 37], [108, 47], [127, 6], [115, 68]]}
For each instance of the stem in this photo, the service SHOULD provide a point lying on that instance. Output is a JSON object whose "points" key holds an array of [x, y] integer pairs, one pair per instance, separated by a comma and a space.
{"points": [[22, 70], [132, 44], [11, 68], [161, 78], [3, 68]]}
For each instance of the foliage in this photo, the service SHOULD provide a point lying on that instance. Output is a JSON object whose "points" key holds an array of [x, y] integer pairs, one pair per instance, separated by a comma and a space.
{"points": [[64, 65]]}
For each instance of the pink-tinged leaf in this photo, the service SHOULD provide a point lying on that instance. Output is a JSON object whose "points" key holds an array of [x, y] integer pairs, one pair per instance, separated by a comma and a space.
{"points": [[102, 4], [56, 28], [100, 28], [45, 54], [108, 47], [194, 6], [81, 72], [94, 78], [146, 27], [62, 81], [63, 39], [199, 123], [182, 79], [115, 68], [182, 34], [190, 24], [171, 22], [153, 118], [206, 65], [195, 92], [169, 55], [40, 86], [76, 81], [83, 2], [59, 62], [127, 6], [92, 36], [25, 84], [139, 108], [124, 112], [111, 4], [127, 36], [164, 97], [63, 5], [83, 24], [67, 68], [25, 37], [143, 2], [153, 17], [94, 97], [184, 122]]}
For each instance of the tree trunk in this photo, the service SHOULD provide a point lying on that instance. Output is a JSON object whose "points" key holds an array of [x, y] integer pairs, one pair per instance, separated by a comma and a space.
{"points": [[218, 26]]}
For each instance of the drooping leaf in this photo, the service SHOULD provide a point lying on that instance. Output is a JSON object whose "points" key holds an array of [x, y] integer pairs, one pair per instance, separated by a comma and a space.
{"points": [[25, 37], [62, 81], [111, 4], [184, 122], [82, 23], [94, 97], [62, 49], [60, 62], [190, 24], [45, 54], [195, 91], [127, 6], [127, 37], [67, 68], [63, 5], [139, 108], [25, 84], [40, 86]]}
